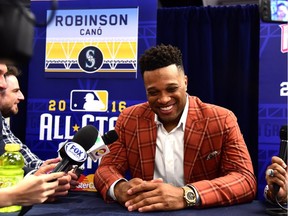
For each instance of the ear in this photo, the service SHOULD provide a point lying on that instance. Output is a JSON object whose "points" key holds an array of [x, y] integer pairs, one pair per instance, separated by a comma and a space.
{"points": [[186, 82]]}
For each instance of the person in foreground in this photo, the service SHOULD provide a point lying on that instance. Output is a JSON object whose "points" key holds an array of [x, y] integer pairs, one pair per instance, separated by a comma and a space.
{"points": [[37, 188], [9, 100], [276, 173], [179, 151]]}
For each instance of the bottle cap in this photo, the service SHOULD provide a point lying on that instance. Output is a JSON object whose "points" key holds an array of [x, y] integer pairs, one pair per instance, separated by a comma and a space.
{"points": [[12, 147]]}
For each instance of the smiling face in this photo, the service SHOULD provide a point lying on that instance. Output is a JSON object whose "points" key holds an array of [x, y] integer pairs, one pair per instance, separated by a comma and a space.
{"points": [[166, 93]]}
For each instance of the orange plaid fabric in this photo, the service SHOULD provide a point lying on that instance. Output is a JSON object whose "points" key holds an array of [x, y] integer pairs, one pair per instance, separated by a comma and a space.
{"points": [[216, 159]]}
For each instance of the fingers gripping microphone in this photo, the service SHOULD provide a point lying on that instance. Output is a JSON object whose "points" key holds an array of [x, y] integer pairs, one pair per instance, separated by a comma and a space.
{"points": [[282, 150], [74, 152]]}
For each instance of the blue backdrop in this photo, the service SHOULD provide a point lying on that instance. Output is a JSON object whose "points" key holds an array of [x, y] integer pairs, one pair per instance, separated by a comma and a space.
{"points": [[59, 85], [273, 93]]}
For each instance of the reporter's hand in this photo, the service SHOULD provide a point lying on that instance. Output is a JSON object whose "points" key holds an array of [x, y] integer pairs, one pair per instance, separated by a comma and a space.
{"points": [[280, 178], [47, 166], [64, 182], [34, 189], [62, 188], [74, 180]]}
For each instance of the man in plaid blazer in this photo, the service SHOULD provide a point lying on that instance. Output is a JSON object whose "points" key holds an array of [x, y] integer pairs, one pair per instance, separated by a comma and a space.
{"points": [[179, 151]]}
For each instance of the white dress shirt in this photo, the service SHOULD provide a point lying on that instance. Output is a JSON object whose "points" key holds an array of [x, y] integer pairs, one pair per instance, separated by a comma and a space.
{"points": [[170, 152]]}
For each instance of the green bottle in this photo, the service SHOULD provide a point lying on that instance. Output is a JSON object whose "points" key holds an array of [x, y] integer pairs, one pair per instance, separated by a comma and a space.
{"points": [[11, 172]]}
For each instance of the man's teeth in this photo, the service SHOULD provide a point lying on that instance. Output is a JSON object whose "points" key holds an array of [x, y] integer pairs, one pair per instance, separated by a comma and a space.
{"points": [[166, 108]]}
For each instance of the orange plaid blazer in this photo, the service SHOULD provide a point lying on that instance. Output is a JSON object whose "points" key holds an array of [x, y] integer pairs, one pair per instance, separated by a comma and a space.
{"points": [[216, 161]]}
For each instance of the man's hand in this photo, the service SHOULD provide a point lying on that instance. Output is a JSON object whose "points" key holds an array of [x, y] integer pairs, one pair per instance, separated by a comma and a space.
{"points": [[154, 196], [280, 178], [62, 189], [35, 189], [74, 179], [65, 183], [121, 188], [47, 166]]}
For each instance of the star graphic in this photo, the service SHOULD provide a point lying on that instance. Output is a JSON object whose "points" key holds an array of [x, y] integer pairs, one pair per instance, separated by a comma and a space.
{"points": [[75, 128]]}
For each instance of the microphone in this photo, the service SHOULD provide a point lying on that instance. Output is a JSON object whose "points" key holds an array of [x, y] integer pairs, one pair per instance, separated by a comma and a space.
{"points": [[282, 151], [100, 147], [74, 152], [110, 137]]}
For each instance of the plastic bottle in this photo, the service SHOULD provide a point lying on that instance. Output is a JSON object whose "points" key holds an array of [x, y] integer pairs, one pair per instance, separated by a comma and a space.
{"points": [[11, 172]]}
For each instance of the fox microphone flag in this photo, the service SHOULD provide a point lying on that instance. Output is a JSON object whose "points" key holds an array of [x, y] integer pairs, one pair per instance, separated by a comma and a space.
{"points": [[74, 152], [100, 147]]}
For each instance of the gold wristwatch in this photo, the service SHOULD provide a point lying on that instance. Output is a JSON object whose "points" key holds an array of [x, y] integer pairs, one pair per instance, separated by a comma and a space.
{"points": [[189, 196]]}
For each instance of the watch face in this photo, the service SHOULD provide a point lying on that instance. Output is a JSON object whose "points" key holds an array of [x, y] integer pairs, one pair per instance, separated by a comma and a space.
{"points": [[190, 195]]}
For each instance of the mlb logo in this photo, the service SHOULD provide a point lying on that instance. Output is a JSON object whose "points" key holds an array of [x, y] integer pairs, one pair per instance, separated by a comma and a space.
{"points": [[89, 100]]}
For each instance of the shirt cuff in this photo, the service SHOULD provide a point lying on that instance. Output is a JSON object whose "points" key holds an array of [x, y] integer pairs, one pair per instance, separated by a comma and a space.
{"points": [[111, 189]]}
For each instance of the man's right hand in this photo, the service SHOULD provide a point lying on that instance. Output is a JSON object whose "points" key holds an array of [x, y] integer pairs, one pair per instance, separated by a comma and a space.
{"points": [[121, 188]]}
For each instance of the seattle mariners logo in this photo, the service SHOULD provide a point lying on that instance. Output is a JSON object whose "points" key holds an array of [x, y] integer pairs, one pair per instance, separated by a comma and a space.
{"points": [[90, 59]]}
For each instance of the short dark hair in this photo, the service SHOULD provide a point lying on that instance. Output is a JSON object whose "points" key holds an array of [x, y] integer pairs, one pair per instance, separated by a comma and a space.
{"points": [[160, 56], [12, 70]]}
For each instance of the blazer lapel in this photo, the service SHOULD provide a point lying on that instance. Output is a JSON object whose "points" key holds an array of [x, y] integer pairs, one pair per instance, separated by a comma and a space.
{"points": [[193, 138], [147, 133]]}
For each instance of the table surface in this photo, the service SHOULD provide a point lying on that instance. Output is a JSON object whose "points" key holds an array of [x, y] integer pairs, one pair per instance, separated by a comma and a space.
{"points": [[90, 203]]}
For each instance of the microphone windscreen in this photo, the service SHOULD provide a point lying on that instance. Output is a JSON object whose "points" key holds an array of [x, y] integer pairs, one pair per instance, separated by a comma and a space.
{"points": [[283, 143], [86, 136], [110, 137]]}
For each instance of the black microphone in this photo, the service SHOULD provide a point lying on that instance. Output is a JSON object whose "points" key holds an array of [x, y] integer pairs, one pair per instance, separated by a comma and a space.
{"points": [[110, 137], [282, 151], [74, 152]]}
